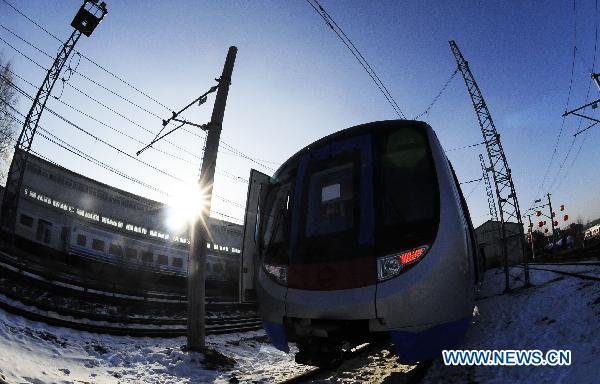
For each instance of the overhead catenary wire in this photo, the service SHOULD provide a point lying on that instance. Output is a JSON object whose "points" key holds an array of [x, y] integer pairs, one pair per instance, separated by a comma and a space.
{"points": [[231, 149], [437, 97], [464, 147], [103, 142], [579, 130], [50, 137], [357, 55], [562, 125]]}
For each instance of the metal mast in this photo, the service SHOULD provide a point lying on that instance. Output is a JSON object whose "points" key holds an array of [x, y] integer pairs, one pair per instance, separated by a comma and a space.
{"points": [[86, 20], [488, 190], [501, 173]]}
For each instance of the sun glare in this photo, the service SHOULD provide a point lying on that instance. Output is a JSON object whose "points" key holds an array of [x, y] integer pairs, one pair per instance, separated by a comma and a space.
{"points": [[185, 205]]}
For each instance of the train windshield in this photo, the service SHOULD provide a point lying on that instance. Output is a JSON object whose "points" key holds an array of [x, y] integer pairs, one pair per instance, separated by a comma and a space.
{"points": [[358, 197]]}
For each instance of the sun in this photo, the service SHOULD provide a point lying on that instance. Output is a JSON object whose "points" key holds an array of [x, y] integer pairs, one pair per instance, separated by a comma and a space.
{"points": [[185, 205]]}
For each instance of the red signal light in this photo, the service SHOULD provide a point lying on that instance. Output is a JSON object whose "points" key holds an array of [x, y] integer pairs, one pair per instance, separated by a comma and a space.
{"points": [[410, 256], [566, 217], [556, 223], [541, 224]]}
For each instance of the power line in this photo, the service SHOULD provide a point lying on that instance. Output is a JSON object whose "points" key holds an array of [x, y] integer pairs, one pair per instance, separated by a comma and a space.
{"points": [[103, 142], [230, 148], [93, 99], [436, 98], [81, 74], [357, 55], [546, 173], [580, 119], [88, 59], [464, 147], [50, 137]]}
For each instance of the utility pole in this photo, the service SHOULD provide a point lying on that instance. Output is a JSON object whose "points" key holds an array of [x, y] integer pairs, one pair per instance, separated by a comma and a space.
{"points": [[85, 21], [551, 220], [197, 259], [531, 237]]}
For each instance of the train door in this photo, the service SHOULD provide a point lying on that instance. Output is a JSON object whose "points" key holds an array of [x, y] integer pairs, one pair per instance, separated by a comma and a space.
{"points": [[249, 240]]}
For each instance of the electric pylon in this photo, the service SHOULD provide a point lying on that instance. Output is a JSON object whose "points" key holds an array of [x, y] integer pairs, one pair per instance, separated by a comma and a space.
{"points": [[501, 173], [86, 20]]}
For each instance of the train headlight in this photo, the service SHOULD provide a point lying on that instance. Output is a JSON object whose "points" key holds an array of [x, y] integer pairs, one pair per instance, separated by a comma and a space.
{"points": [[277, 272], [392, 265]]}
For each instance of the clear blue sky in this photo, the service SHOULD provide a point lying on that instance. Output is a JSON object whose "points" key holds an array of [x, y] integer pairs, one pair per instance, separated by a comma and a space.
{"points": [[295, 82]]}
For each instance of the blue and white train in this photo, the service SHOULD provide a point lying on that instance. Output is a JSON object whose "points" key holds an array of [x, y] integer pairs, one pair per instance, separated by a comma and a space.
{"points": [[366, 233]]}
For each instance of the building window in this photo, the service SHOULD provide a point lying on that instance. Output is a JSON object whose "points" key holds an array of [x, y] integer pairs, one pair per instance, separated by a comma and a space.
{"points": [[163, 260], [177, 262], [44, 231], [98, 245], [131, 253], [147, 257], [26, 220], [115, 249], [81, 240]]}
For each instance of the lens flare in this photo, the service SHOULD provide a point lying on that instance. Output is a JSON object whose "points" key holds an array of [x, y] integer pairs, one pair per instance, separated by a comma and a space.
{"points": [[185, 205]]}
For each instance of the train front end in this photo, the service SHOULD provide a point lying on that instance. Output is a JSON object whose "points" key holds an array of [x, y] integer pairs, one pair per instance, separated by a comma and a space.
{"points": [[365, 234]]}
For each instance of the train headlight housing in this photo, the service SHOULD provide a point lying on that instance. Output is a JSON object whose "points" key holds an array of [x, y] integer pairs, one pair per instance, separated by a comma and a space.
{"points": [[392, 265], [277, 272]]}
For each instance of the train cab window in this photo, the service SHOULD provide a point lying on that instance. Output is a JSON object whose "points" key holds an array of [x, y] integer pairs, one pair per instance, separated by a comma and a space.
{"points": [[131, 253], [177, 262], [330, 201], [115, 250], [162, 260], [81, 240], [408, 207], [98, 245], [26, 220], [44, 231], [147, 257]]}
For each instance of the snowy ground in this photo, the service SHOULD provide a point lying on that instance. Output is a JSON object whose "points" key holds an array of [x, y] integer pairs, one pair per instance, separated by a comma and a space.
{"points": [[559, 312]]}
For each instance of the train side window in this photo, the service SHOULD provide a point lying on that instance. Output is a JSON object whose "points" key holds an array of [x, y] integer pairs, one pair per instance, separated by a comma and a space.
{"points": [[81, 240], [162, 260], [98, 245], [131, 253], [115, 249], [44, 233], [177, 262], [147, 257], [26, 220]]}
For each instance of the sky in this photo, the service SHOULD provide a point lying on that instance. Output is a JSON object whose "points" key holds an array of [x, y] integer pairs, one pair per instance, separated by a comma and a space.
{"points": [[295, 82]]}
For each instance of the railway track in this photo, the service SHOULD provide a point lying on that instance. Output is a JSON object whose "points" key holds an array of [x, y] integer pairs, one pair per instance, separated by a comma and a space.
{"points": [[566, 273], [132, 327], [317, 374]]}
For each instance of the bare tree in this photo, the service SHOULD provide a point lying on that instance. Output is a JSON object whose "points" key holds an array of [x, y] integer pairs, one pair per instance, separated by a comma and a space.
{"points": [[8, 126]]}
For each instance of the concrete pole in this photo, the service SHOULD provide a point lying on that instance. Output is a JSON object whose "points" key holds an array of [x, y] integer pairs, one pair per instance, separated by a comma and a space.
{"points": [[197, 259], [551, 220]]}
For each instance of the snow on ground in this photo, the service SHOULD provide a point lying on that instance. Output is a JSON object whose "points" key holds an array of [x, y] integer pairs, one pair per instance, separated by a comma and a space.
{"points": [[32, 352], [559, 312]]}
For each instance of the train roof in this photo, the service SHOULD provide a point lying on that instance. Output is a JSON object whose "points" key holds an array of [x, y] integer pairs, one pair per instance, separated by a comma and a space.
{"points": [[352, 131]]}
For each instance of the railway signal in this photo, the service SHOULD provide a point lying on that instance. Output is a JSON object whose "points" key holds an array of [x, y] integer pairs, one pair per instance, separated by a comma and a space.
{"points": [[86, 20]]}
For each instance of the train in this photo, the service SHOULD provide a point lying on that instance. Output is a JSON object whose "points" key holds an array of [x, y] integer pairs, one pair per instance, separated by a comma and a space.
{"points": [[366, 234], [108, 233]]}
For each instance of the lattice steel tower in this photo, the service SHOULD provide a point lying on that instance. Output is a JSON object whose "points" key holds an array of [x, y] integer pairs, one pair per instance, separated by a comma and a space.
{"points": [[501, 173], [86, 20], [488, 189]]}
